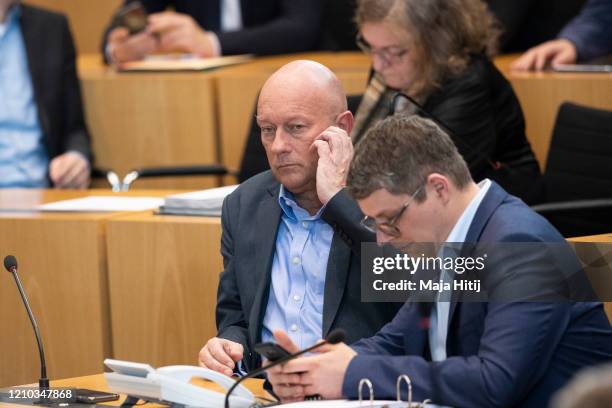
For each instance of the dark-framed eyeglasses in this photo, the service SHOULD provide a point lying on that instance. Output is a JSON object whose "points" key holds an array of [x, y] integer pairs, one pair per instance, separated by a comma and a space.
{"points": [[389, 227], [390, 55]]}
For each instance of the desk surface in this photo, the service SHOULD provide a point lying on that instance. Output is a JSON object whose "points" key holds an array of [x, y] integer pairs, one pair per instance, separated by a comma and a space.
{"points": [[98, 382]]}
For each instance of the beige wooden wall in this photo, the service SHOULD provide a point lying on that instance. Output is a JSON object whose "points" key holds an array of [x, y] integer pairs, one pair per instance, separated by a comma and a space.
{"points": [[88, 18]]}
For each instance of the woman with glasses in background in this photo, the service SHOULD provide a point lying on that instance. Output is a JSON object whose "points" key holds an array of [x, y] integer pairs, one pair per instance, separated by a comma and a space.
{"points": [[432, 58]]}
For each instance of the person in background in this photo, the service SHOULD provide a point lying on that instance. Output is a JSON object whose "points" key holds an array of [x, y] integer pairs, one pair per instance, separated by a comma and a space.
{"points": [[43, 137], [291, 236], [219, 27], [438, 53], [586, 37]]}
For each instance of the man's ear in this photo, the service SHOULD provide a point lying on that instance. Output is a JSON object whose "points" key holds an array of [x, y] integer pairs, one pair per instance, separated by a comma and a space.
{"points": [[345, 121], [440, 186]]}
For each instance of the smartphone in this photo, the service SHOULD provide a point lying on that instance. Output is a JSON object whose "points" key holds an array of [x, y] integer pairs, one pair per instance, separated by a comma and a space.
{"points": [[93, 397], [271, 351], [132, 16]]}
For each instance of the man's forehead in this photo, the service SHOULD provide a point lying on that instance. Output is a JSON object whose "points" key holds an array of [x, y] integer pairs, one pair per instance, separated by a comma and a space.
{"points": [[381, 203]]}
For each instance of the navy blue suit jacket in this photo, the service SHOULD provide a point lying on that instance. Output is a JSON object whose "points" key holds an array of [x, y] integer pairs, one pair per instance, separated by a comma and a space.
{"points": [[498, 354], [591, 31]]}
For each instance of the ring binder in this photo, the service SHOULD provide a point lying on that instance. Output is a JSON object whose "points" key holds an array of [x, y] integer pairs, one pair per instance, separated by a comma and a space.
{"points": [[398, 392], [362, 382], [398, 403]]}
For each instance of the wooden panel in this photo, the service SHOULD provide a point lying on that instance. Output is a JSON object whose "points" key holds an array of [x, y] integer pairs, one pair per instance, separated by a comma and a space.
{"points": [[602, 239], [163, 273], [88, 19], [62, 265], [238, 87], [541, 95], [150, 119]]}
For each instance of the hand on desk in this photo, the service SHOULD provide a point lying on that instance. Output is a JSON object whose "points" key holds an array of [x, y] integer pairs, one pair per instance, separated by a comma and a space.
{"points": [[69, 170], [321, 373], [221, 355], [554, 52], [180, 32], [124, 48]]}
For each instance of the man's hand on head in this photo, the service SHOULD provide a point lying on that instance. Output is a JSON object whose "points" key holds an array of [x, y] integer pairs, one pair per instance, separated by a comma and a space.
{"points": [[221, 355], [335, 149]]}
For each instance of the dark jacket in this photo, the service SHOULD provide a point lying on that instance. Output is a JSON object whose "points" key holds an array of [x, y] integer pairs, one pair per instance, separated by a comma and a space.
{"points": [[499, 354], [485, 116], [250, 220], [51, 60], [591, 31], [527, 23], [269, 26]]}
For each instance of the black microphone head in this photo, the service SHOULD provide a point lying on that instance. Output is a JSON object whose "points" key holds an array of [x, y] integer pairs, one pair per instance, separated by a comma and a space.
{"points": [[10, 263], [336, 336]]}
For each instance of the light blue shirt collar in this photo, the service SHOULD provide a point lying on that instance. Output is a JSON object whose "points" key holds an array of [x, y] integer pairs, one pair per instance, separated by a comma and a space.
{"points": [[292, 209], [461, 228], [438, 329], [13, 14]]}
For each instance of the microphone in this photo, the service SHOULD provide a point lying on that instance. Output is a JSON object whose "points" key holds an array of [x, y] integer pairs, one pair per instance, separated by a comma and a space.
{"points": [[10, 263], [334, 337]]}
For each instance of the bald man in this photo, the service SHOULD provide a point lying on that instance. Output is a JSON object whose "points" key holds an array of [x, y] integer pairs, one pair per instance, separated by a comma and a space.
{"points": [[291, 235]]}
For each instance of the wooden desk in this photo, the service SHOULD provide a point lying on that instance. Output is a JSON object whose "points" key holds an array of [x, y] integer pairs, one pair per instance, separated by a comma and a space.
{"points": [[150, 119], [163, 274], [541, 94], [238, 87], [98, 382], [598, 239], [62, 263]]}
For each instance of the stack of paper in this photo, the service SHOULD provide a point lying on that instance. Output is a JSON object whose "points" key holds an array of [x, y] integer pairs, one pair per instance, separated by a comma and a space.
{"points": [[103, 204], [205, 202], [181, 63]]}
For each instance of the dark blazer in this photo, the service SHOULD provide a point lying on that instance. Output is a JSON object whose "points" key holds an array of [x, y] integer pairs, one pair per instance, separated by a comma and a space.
{"points": [[591, 31], [527, 23], [481, 109], [269, 26], [250, 220], [499, 354], [51, 60]]}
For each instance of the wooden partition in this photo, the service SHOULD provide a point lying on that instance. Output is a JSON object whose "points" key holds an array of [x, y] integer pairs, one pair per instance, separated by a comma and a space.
{"points": [[88, 19], [62, 264], [542, 93], [149, 120], [599, 239], [164, 273]]}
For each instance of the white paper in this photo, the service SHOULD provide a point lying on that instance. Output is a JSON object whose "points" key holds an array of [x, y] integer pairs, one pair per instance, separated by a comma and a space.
{"points": [[209, 199], [104, 204]]}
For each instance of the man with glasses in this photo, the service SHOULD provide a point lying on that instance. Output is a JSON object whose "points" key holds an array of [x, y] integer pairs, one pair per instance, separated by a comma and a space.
{"points": [[291, 237], [414, 187]]}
